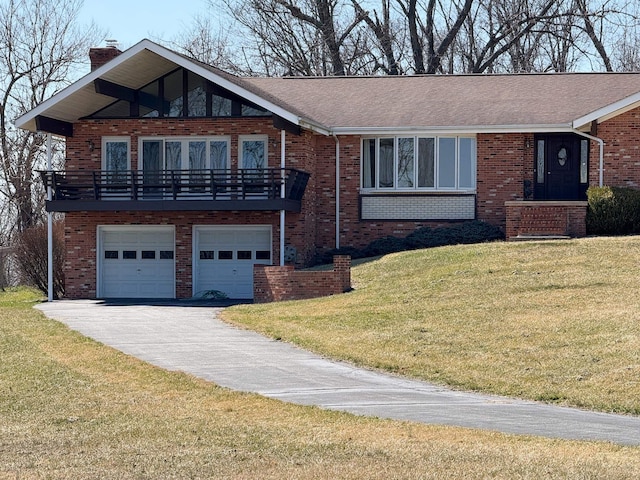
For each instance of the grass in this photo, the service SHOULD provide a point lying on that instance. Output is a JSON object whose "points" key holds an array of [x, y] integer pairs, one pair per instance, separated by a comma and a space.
{"points": [[550, 321], [71, 408]]}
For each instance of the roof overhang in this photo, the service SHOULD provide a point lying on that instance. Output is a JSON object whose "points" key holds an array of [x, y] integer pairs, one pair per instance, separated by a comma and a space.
{"points": [[609, 111], [454, 130], [134, 68]]}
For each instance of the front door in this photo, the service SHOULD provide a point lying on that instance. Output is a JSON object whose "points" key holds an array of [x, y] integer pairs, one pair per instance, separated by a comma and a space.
{"points": [[561, 167]]}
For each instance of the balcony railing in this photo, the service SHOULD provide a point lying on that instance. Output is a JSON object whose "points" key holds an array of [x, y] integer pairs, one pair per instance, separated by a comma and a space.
{"points": [[242, 189]]}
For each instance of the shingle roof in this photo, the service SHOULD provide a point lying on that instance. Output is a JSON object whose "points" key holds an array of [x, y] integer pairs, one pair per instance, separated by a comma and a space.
{"points": [[341, 104], [441, 101]]}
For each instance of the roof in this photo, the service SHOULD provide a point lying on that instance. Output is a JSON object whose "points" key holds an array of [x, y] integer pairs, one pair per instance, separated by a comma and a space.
{"points": [[473, 103], [477, 102]]}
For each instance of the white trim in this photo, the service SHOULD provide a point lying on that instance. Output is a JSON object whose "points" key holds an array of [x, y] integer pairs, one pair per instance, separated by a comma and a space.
{"points": [[436, 150], [609, 111], [50, 278], [337, 141], [452, 130], [600, 156], [128, 228], [179, 60], [283, 153]]}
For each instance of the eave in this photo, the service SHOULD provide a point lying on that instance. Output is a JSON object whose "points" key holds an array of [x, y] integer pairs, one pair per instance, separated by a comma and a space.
{"points": [[134, 68], [453, 129]]}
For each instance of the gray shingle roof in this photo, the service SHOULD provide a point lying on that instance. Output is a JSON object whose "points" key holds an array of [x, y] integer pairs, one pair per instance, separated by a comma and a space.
{"points": [[450, 100]]}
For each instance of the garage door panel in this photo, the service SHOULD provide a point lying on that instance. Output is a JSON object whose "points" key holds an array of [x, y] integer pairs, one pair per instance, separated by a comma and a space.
{"points": [[224, 258], [137, 263]]}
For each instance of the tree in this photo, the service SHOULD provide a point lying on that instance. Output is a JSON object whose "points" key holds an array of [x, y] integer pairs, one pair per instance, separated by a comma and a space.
{"points": [[349, 37], [40, 47], [31, 254]]}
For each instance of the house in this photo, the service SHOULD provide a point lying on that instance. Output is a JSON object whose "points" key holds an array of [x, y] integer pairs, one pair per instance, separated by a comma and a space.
{"points": [[179, 177]]}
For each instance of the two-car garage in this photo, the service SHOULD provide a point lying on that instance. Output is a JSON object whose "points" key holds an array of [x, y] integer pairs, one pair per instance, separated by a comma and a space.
{"points": [[141, 261]]}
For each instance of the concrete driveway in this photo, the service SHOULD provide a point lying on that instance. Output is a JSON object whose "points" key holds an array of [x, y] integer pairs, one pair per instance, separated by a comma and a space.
{"points": [[189, 338]]}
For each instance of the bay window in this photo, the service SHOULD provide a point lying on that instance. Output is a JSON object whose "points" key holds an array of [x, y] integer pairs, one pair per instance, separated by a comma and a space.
{"points": [[408, 163]]}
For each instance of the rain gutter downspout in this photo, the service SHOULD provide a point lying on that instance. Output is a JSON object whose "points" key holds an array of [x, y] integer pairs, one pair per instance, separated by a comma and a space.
{"points": [[337, 140], [601, 164], [49, 227], [282, 193]]}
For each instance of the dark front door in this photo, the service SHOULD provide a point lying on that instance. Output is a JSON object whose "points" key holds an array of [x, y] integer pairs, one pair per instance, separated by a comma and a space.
{"points": [[563, 160]]}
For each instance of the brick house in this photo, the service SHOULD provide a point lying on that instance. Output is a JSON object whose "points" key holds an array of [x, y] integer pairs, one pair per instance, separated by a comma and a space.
{"points": [[179, 177]]}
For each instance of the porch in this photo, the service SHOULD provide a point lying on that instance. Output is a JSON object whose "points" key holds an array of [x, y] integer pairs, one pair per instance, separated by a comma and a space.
{"points": [[242, 190], [529, 219]]}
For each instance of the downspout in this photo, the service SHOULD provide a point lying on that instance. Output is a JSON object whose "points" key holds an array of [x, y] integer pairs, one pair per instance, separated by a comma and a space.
{"points": [[49, 227], [337, 140], [282, 193], [601, 145]]}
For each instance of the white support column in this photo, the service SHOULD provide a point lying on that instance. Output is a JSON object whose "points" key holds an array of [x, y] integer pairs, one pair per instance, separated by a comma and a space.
{"points": [[337, 140], [49, 227], [283, 136]]}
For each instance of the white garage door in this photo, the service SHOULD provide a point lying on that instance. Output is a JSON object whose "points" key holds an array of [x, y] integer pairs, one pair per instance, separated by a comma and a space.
{"points": [[224, 258], [136, 262]]}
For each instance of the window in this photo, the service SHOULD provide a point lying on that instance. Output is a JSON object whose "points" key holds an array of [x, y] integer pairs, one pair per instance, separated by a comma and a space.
{"points": [[115, 158], [184, 154], [584, 161], [253, 151], [408, 163], [180, 93]]}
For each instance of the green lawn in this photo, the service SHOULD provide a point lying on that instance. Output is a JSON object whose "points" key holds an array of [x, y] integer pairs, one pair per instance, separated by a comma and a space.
{"points": [[71, 408], [553, 321]]}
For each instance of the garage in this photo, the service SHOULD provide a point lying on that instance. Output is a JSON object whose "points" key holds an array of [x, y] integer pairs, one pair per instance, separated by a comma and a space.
{"points": [[136, 262], [224, 257]]}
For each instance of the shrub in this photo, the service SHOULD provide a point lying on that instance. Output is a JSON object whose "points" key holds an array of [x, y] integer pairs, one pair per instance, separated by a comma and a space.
{"points": [[424, 237], [613, 210], [31, 253]]}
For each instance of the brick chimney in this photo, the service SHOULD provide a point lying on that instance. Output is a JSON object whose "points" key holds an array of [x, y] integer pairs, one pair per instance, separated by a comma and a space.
{"points": [[101, 55]]}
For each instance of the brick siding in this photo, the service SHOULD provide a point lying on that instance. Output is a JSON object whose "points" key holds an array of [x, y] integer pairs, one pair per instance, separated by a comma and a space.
{"points": [[546, 219], [274, 284], [504, 163]]}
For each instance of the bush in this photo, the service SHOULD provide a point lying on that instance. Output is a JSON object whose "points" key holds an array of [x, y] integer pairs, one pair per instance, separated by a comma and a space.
{"points": [[613, 210], [424, 237], [31, 254]]}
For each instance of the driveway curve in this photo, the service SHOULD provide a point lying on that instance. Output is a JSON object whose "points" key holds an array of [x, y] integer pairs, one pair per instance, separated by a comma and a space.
{"points": [[191, 339]]}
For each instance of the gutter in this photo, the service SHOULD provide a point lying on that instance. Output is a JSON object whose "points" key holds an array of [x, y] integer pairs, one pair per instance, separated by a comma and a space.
{"points": [[601, 159]]}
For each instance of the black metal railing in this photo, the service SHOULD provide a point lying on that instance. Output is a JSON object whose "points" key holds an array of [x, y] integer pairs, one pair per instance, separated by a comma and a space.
{"points": [[240, 184]]}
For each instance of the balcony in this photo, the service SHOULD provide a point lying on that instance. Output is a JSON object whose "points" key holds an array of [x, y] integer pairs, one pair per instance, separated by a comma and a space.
{"points": [[242, 189]]}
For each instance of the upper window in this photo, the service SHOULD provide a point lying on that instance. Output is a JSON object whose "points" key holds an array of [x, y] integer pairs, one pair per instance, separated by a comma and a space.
{"points": [[115, 154], [193, 153], [180, 93], [253, 151], [409, 163]]}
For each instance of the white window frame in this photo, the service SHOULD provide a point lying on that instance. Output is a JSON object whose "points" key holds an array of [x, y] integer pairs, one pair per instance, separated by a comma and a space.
{"points": [[115, 139], [184, 157], [437, 187], [253, 138]]}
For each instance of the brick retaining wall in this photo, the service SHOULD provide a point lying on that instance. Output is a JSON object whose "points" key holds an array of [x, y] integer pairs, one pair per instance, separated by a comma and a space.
{"points": [[274, 284], [530, 218]]}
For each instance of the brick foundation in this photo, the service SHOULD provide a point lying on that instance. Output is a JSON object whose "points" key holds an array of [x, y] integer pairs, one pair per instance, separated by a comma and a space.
{"points": [[273, 284], [545, 219]]}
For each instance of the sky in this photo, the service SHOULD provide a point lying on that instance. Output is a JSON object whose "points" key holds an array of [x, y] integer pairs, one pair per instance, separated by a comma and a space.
{"points": [[129, 21]]}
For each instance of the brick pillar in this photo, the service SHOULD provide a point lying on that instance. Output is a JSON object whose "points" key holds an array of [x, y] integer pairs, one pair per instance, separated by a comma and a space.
{"points": [[100, 56], [342, 267]]}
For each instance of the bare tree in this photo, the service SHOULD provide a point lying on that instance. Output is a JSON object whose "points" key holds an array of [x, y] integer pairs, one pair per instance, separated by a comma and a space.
{"points": [[31, 254], [338, 37], [39, 48]]}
